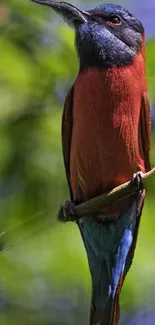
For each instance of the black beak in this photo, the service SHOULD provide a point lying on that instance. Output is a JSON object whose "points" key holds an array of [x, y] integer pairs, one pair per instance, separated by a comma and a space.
{"points": [[70, 13]]}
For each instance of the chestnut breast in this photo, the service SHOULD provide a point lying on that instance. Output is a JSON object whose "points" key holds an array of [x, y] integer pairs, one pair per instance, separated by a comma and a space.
{"points": [[105, 146]]}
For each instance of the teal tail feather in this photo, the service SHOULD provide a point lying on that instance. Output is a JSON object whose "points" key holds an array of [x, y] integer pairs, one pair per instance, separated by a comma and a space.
{"points": [[110, 251]]}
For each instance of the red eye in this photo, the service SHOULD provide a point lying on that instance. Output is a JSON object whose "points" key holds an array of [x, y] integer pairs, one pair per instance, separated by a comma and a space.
{"points": [[115, 20]]}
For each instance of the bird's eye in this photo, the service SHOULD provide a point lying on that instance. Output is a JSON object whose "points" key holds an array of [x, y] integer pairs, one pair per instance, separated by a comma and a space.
{"points": [[115, 20]]}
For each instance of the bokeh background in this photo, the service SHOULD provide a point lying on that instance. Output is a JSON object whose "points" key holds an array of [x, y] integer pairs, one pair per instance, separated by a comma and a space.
{"points": [[44, 276]]}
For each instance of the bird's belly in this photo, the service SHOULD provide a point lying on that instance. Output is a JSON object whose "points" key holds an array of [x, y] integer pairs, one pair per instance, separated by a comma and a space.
{"points": [[99, 161], [104, 147]]}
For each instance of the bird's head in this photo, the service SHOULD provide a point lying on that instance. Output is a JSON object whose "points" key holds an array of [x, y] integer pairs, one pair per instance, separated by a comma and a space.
{"points": [[108, 35]]}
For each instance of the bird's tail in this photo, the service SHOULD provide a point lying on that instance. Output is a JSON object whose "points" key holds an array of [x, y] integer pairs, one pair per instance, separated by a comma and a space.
{"points": [[110, 249], [109, 316]]}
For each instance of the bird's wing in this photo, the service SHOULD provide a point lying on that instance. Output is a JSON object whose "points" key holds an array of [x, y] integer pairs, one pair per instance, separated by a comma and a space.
{"points": [[67, 122], [145, 129], [145, 121]]}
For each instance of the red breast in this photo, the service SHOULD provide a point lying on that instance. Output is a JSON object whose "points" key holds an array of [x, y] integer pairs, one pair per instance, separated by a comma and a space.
{"points": [[106, 148]]}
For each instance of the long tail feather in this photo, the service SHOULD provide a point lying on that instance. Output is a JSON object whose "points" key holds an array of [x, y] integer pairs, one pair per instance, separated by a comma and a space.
{"points": [[108, 248], [109, 316]]}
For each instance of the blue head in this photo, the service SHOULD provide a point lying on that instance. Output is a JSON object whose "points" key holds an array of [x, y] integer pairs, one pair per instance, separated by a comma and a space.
{"points": [[108, 35], [112, 36]]}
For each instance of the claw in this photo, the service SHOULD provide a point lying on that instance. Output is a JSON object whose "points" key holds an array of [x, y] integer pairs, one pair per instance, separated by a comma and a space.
{"points": [[67, 212], [138, 181]]}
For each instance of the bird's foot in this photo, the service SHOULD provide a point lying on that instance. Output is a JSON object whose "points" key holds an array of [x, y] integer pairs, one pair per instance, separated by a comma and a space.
{"points": [[67, 212], [137, 180]]}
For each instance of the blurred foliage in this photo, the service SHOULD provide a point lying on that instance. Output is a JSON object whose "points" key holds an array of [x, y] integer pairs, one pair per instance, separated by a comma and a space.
{"points": [[44, 276], [151, 70]]}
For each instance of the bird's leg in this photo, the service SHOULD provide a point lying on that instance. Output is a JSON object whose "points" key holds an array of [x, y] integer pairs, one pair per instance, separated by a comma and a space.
{"points": [[138, 181], [67, 212], [140, 191]]}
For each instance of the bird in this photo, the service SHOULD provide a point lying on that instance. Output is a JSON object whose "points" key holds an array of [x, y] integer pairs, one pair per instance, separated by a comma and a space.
{"points": [[106, 132]]}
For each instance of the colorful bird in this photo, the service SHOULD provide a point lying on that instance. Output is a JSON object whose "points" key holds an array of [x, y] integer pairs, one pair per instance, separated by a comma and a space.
{"points": [[106, 130]]}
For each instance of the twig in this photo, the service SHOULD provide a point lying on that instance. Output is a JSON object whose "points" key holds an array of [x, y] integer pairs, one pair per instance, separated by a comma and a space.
{"points": [[96, 204], [23, 228], [82, 210]]}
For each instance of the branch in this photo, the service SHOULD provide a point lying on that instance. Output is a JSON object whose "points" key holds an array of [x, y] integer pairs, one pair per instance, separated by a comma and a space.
{"points": [[96, 204]]}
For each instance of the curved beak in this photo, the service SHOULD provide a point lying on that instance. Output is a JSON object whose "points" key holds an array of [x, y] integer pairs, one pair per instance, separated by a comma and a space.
{"points": [[70, 13]]}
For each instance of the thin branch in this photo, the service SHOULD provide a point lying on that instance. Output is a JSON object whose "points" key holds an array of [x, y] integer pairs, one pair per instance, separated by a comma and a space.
{"points": [[92, 206], [96, 204], [11, 235]]}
